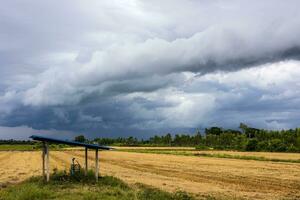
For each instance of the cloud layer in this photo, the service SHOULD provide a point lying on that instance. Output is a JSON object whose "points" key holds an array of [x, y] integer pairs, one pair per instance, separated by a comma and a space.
{"points": [[110, 66]]}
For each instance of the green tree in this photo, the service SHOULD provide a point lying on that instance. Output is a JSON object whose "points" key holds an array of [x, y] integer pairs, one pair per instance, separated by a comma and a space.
{"points": [[277, 145], [213, 131], [243, 127], [197, 138], [80, 138], [251, 145], [167, 140], [298, 143]]}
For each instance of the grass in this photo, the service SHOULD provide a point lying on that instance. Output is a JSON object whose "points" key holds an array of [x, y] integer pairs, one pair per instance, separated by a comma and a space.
{"points": [[258, 158], [214, 155], [30, 147], [18, 147], [161, 151], [79, 187]]}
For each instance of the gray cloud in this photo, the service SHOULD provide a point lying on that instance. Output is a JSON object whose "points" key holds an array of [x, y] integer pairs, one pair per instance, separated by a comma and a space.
{"points": [[106, 65]]}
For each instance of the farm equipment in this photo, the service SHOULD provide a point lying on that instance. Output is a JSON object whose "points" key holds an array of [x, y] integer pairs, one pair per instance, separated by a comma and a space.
{"points": [[75, 167]]}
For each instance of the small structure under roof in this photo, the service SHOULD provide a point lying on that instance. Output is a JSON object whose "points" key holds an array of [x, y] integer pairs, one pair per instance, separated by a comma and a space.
{"points": [[45, 155]]}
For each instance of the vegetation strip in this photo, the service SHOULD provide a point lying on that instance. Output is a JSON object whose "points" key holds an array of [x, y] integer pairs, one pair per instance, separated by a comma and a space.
{"points": [[217, 138], [246, 157], [190, 153], [78, 186]]}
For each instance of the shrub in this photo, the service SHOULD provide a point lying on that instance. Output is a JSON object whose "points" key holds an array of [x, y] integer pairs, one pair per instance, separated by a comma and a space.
{"points": [[202, 147], [181, 195], [277, 145], [292, 148], [149, 193], [251, 145], [262, 146]]}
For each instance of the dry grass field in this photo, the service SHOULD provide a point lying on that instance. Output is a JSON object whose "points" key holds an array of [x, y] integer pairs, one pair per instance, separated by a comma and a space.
{"points": [[192, 150], [202, 176], [270, 155]]}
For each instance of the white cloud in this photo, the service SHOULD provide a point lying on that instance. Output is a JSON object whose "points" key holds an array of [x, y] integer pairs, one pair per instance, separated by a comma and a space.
{"points": [[183, 58], [127, 40], [169, 108], [262, 96]]}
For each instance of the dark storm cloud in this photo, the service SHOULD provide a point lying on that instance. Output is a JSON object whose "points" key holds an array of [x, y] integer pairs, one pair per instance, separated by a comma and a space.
{"points": [[116, 65]]}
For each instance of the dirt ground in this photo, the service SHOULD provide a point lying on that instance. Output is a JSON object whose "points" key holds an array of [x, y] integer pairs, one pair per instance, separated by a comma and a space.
{"points": [[201, 176]]}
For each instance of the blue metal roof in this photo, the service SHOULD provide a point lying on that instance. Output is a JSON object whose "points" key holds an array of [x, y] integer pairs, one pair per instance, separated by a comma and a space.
{"points": [[53, 140]]}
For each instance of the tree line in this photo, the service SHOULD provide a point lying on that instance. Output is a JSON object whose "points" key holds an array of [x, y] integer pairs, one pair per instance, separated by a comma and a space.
{"points": [[12, 142], [245, 139]]}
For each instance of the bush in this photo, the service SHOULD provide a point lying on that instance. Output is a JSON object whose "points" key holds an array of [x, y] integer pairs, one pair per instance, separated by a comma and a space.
{"points": [[277, 145], [292, 148], [251, 145], [181, 195], [149, 193], [202, 147], [64, 176], [262, 146], [112, 181]]}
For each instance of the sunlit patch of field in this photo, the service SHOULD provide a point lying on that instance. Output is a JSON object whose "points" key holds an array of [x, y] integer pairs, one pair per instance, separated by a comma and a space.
{"points": [[16, 166], [156, 148], [201, 176], [270, 155], [193, 151], [141, 148]]}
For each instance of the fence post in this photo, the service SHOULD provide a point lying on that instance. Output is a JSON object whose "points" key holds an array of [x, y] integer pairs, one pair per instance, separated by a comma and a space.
{"points": [[86, 160], [97, 165], [43, 157], [47, 163]]}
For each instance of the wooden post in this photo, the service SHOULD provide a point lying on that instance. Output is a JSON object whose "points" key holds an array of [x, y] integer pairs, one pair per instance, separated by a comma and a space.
{"points": [[43, 157], [97, 165], [86, 160], [47, 163]]}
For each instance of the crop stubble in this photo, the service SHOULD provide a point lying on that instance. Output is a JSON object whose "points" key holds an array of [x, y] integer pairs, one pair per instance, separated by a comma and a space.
{"points": [[197, 175]]}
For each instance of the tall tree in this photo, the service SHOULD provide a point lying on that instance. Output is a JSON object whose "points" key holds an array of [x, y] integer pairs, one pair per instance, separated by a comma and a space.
{"points": [[243, 127], [80, 138]]}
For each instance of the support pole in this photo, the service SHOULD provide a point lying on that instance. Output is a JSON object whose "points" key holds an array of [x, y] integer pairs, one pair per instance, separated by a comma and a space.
{"points": [[47, 163], [86, 160], [97, 165], [43, 157]]}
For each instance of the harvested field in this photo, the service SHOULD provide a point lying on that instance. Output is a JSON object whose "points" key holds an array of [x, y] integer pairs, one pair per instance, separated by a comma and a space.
{"points": [[201, 176], [192, 150], [270, 155], [157, 148]]}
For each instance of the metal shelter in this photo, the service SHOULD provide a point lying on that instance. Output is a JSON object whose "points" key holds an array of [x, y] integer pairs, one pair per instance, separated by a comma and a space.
{"points": [[45, 153]]}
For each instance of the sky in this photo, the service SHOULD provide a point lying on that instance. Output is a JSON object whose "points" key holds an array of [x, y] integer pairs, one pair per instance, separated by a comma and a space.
{"points": [[135, 67]]}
